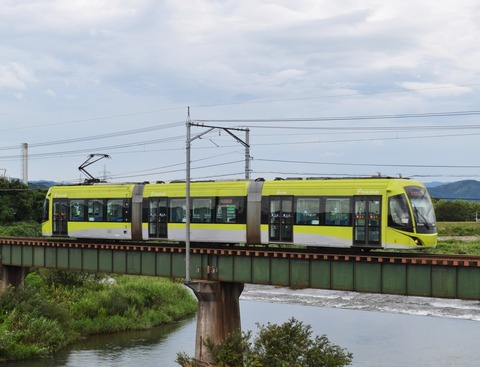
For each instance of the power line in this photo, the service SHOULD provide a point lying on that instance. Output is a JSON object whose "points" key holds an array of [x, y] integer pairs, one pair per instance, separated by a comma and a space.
{"points": [[90, 150], [100, 136], [328, 96], [368, 164], [346, 118], [91, 119], [299, 119], [177, 170], [319, 141]]}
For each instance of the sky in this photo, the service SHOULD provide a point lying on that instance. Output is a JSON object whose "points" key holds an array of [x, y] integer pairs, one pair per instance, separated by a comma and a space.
{"points": [[324, 88]]}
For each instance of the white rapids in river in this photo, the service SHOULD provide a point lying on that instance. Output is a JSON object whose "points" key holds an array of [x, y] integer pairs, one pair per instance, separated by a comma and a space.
{"points": [[424, 306]]}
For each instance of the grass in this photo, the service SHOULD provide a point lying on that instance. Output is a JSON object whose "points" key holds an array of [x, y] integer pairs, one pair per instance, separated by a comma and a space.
{"points": [[462, 238], [457, 247], [458, 228]]}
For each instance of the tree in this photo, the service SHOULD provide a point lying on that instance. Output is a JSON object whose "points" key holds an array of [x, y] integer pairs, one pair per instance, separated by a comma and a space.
{"points": [[290, 344], [19, 203], [453, 211]]}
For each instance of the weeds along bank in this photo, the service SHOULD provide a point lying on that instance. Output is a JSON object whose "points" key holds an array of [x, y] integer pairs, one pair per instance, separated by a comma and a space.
{"points": [[56, 308]]}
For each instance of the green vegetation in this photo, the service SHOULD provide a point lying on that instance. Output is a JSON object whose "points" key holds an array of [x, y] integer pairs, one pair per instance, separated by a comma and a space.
{"points": [[456, 246], [56, 308], [289, 344], [458, 228], [458, 238], [21, 229], [19, 203], [456, 211]]}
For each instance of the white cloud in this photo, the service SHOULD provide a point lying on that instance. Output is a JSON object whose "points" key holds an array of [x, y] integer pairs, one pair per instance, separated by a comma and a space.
{"points": [[15, 76], [50, 93], [437, 89]]}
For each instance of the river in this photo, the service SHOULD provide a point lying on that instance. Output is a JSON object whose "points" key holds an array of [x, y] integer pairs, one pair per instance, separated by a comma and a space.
{"points": [[380, 330]]}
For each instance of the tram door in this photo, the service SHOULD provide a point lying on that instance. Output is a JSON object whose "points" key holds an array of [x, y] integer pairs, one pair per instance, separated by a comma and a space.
{"points": [[281, 219], [366, 225], [157, 218], [60, 217]]}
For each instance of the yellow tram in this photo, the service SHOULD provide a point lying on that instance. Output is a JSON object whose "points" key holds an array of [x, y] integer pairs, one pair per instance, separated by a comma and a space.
{"points": [[369, 213]]}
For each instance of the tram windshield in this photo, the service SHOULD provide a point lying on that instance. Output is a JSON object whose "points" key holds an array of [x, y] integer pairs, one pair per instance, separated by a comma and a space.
{"points": [[399, 214], [422, 209]]}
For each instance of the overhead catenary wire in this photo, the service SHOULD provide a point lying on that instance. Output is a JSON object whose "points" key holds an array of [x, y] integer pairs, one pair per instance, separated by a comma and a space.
{"points": [[99, 136], [280, 120], [345, 118], [243, 102], [266, 124], [283, 161]]}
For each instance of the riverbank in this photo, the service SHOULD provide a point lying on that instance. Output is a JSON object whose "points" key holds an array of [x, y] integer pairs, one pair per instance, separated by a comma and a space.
{"points": [[57, 308]]}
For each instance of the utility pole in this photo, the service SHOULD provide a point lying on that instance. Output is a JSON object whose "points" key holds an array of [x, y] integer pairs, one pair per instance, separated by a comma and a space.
{"points": [[25, 163], [189, 140], [247, 154]]}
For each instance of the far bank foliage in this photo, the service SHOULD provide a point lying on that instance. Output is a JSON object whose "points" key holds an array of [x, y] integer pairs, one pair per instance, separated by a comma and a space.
{"points": [[19, 203], [456, 211], [56, 308]]}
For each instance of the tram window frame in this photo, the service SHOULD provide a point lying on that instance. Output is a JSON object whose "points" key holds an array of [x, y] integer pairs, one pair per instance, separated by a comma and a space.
{"points": [[177, 210], [230, 210], [77, 210], [303, 215], [95, 217], [265, 207], [115, 204], [337, 219]]}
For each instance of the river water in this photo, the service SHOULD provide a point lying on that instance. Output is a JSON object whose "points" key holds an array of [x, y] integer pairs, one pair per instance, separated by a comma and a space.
{"points": [[380, 330]]}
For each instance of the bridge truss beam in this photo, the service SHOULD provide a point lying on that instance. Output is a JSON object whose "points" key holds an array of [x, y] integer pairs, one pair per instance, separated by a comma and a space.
{"points": [[448, 278]]}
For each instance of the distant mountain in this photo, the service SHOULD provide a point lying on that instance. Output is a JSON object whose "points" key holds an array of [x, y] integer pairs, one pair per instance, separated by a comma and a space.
{"points": [[433, 184], [463, 190], [42, 184]]}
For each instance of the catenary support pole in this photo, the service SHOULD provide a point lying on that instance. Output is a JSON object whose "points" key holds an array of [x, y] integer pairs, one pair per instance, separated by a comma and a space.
{"points": [[187, 200]]}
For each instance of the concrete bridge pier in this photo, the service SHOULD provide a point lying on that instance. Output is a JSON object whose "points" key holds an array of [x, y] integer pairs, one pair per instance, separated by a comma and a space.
{"points": [[218, 314], [12, 275]]}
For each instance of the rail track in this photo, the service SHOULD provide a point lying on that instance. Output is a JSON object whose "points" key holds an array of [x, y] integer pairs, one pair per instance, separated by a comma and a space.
{"points": [[307, 253]]}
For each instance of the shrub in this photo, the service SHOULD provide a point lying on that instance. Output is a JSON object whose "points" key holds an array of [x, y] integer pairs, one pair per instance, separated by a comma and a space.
{"points": [[289, 344]]}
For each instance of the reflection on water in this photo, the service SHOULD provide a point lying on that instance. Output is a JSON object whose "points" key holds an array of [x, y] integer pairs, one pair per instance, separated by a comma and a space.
{"points": [[379, 330], [154, 347]]}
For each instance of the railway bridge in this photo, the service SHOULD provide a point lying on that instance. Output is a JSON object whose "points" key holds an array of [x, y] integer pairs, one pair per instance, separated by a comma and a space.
{"points": [[219, 273]]}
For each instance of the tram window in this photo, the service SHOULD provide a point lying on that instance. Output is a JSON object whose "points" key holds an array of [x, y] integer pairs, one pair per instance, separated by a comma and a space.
{"points": [[77, 210], [177, 209], [230, 210], [115, 210], [307, 211], [265, 215], [95, 210], [337, 212], [202, 210], [398, 213]]}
